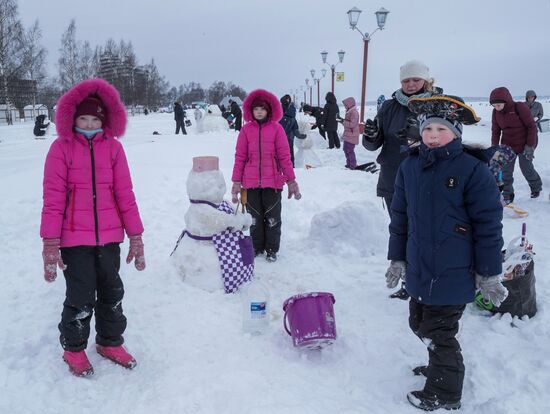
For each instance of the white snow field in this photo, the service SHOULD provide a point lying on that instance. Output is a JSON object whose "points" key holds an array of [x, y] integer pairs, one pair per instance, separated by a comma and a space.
{"points": [[191, 352]]}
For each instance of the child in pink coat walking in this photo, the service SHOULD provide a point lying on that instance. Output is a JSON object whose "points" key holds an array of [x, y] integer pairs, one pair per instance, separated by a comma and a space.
{"points": [[263, 166], [88, 205], [351, 132]]}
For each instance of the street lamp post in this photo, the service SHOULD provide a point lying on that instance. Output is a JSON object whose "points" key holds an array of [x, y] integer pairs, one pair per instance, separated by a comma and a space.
{"points": [[324, 55], [353, 16], [318, 81]]}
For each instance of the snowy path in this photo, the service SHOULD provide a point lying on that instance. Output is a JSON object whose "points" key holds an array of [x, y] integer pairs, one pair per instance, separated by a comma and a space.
{"points": [[192, 355]]}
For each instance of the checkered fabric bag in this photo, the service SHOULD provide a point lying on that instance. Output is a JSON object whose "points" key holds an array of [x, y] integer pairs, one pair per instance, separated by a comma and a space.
{"points": [[236, 255]]}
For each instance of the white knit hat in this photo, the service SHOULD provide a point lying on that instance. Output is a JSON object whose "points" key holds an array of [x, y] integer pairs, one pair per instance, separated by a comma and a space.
{"points": [[414, 69]]}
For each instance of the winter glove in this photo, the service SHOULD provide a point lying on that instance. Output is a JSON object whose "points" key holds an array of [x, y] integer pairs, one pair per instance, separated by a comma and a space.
{"points": [[52, 258], [293, 190], [529, 153], [338, 119], [136, 252], [492, 289], [235, 191], [411, 132], [395, 272], [371, 130]]}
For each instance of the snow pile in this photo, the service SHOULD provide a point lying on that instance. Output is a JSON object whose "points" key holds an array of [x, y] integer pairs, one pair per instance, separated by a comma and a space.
{"points": [[350, 228]]}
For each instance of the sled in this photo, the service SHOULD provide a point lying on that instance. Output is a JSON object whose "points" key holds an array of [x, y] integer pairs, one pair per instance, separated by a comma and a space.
{"points": [[514, 212]]}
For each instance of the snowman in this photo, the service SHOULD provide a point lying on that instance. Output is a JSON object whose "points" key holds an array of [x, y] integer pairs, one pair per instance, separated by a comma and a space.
{"points": [[305, 156], [212, 252], [213, 120]]}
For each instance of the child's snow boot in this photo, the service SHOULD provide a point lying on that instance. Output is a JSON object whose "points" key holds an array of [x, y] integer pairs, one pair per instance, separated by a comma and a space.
{"points": [[118, 355], [421, 370], [429, 402], [401, 293], [78, 363], [271, 256]]}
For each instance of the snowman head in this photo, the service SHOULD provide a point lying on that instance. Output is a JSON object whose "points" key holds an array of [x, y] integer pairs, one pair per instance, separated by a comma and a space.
{"points": [[205, 181]]}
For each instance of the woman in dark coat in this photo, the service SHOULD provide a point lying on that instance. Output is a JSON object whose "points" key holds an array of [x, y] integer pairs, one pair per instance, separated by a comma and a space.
{"points": [[317, 113], [388, 131], [289, 123], [238, 114], [328, 121]]}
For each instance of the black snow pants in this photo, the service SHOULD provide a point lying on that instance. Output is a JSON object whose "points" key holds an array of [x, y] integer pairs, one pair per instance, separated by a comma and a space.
{"points": [[92, 282], [437, 326], [264, 204], [333, 140], [180, 124]]}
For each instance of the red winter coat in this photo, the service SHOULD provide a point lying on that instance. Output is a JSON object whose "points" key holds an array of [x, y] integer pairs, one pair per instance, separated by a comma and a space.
{"points": [[262, 155], [79, 171], [513, 126], [351, 122]]}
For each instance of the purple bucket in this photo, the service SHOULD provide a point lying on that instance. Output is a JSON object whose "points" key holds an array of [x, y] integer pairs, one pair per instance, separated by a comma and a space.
{"points": [[311, 319]]}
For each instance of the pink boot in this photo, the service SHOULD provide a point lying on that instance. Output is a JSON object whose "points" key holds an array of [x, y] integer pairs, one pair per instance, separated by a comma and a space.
{"points": [[78, 363], [118, 355]]}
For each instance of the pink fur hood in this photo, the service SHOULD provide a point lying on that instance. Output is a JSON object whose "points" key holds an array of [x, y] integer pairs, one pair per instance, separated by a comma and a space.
{"points": [[115, 123]]}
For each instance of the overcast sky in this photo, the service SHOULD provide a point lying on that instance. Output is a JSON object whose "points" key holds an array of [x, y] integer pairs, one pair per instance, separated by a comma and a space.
{"points": [[470, 46]]}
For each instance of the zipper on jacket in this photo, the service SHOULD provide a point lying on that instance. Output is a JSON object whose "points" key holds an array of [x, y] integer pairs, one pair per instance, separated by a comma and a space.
{"points": [[260, 146], [72, 206], [94, 194]]}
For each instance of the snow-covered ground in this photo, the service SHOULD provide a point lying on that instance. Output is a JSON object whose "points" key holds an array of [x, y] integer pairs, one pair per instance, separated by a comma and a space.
{"points": [[192, 355]]}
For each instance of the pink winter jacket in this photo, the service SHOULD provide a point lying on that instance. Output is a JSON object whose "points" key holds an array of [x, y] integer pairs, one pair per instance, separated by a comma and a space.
{"points": [[351, 122], [88, 197], [262, 156]]}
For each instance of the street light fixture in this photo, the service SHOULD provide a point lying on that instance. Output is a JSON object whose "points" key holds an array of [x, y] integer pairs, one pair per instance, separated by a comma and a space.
{"points": [[318, 82], [324, 55], [353, 16]]}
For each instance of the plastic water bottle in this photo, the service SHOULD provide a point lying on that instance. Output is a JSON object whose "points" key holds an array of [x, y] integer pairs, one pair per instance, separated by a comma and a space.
{"points": [[255, 301]]}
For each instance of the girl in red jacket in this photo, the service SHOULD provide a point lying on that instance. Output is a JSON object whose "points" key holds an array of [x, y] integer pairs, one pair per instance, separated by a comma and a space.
{"points": [[262, 166], [88, 204]]}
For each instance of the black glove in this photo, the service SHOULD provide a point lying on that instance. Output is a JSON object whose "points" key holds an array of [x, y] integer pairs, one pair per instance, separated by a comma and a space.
{"points": [[371, 129], [338, 119], [410, 134]]}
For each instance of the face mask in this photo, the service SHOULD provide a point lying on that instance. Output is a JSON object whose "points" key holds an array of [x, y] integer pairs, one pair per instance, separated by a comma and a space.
{"points": [[88, 133]]}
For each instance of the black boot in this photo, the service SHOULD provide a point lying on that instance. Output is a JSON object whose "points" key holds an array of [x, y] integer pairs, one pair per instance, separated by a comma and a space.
{"points": [[258, 252], [535, 194], [429, 402], [401, 293], [271, 256], [421, 370]]}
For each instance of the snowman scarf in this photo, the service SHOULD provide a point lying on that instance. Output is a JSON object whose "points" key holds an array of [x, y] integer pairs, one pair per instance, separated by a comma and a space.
{"points": [[234, 249]]}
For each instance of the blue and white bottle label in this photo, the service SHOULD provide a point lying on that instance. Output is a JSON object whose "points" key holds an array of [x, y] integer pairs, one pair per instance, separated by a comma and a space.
{"points": [[258, 310]]}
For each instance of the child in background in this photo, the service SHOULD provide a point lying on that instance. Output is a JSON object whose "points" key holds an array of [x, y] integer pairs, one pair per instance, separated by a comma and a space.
{"points": [[88, 204], [262, 166], [351, 132], [445, 240]]}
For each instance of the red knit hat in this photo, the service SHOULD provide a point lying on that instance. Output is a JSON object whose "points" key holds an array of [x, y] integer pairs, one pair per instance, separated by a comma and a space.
{"points": [[92, 105], [260, 102]]}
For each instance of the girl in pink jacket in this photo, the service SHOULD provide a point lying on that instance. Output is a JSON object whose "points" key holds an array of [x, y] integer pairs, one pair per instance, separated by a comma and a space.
{"points": [[351, 132], [88, 204], [263, 166]]}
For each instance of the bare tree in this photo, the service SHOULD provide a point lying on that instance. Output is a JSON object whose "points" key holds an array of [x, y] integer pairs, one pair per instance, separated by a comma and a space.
{"points": [[11, 50], [34, 56], [69, 59], [216, 92], [86, 61]]}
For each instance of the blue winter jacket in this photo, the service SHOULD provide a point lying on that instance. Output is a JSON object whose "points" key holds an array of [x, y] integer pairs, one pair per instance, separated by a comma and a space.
{"points": [[445, 223]]}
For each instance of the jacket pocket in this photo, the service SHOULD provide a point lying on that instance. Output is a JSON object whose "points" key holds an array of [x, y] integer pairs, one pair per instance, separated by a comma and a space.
{"points": [[116, 205]]}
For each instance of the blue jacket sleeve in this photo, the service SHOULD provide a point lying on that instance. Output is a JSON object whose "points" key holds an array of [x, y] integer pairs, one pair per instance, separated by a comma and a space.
{"points": [[482, 202], [398, 226]]}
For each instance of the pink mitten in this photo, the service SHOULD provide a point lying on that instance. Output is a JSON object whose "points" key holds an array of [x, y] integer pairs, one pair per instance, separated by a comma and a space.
{"points": [[136, 252], [293, 190], [235, 190], [52, 258]]}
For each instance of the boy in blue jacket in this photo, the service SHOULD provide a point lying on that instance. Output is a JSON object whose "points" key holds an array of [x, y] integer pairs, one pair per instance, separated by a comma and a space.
{"points": [[445, 241]]}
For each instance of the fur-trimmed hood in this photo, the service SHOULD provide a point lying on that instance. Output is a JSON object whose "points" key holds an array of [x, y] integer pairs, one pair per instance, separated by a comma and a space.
{"points": [[273, 102], [115, 122]]}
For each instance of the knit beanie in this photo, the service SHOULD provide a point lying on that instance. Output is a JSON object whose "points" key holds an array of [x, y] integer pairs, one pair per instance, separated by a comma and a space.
{"points": [[414, 69], [91, 106], [260, 102], [453, 124]]}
